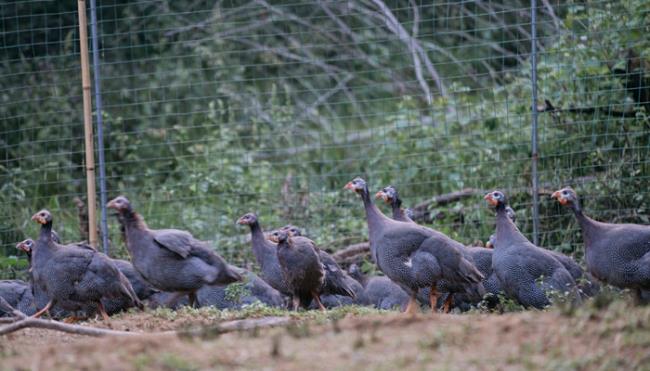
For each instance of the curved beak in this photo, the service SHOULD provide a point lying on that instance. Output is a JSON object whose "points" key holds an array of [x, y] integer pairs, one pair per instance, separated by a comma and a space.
{"points": [[558, 196], [38, 219], [111, 204], [349, 186], [490, 200], [240, 220]]}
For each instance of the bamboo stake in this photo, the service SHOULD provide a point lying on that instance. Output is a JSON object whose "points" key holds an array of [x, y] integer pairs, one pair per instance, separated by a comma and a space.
{"points": [[88, 123]]}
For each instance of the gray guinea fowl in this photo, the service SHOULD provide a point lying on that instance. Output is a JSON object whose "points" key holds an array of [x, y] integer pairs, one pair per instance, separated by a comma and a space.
{"points": [[618, 254], [171, 259], [413, 256]]}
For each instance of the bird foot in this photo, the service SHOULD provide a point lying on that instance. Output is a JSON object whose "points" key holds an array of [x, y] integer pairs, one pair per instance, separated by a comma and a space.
{"points": [[412, 307]]}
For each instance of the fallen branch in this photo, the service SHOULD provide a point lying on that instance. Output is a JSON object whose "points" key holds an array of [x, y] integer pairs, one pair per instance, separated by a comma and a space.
{"points": [[351, 250], [236, 325], [60, 326]]}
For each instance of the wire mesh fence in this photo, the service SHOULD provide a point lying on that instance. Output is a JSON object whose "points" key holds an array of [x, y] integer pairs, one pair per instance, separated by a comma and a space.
{"points": [[216, 108]]}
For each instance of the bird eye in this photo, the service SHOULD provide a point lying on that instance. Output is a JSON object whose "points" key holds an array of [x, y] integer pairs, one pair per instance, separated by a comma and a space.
{"points": [[565, 193]]}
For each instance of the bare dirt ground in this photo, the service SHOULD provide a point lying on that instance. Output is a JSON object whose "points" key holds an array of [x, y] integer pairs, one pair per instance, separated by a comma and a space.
{"points": [[616, 337]]}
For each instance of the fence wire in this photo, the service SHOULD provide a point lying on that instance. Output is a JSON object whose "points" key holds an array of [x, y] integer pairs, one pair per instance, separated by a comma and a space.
{"points": [[213, 109]]}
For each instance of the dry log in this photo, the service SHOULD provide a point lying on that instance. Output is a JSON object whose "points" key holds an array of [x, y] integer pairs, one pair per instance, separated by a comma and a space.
{"points": [[351, 250]]}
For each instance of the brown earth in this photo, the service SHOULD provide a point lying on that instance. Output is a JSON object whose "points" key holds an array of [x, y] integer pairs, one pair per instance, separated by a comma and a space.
{"points": [[616, 337]]}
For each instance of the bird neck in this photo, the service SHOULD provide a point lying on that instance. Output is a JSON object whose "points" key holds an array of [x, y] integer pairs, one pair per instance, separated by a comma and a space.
{"points": [[45, 234], [261, 246], [133, 220], [587, 225], [506, 228], [373, 215]]}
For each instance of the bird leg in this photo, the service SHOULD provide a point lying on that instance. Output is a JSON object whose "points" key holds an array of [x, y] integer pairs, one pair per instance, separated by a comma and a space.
{"points": [[102, 311], [173, 299], [412, 307], [194, 301], [317, 298], [433, 298], [446, 307], [46, 308]]}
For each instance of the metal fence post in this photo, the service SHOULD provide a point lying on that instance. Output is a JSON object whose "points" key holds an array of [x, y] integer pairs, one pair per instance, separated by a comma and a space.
{"points": [[100, 126], [534, 154]]}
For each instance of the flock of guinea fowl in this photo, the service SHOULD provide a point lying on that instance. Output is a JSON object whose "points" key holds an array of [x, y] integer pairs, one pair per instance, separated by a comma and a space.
{"points": [[419, 264]]}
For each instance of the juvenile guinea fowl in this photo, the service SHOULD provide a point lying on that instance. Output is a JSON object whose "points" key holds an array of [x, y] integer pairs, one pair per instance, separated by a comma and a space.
{"points": [[171, 259], [265, 253], [301, 268], [251, 290], [75, 277], [413, 256], [19, 295], [618, 254], [391, 197], [337, 282], [526, 272], [379, 291]]}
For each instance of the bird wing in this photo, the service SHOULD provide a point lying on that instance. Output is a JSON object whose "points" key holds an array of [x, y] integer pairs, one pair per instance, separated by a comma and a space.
{"points": [[175, 240]]}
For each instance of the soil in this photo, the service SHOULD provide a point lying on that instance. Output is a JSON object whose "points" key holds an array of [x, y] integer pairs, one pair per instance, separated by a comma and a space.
{"points": [[615, 337]]}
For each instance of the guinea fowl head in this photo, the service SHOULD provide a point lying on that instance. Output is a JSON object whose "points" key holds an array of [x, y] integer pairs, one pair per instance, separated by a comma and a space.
{"points": [[565, 196], [27, 246], [247, 219], [388, 194], [292, 230], [496, 198], [119, 203], [42, 217], [280, 236], [357, 185]]}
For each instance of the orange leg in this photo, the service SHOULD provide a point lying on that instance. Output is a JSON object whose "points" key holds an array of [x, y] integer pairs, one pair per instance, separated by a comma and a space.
{"points": [[412, 307], [448, 302], [46, 308], [317, 298], [102, 311], [433, 298]]}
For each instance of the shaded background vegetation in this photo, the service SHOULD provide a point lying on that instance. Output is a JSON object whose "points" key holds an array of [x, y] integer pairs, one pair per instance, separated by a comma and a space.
{"points": [[217, 108]]}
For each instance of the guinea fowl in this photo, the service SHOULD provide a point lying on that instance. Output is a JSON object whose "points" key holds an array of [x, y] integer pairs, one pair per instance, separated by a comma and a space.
{"points": [[481, 259], [75, 277], [413, 256], [19, 295], [379, 291], [391, 197], [585, 282], [520, 265], [618, 254], [301, 268], [171, 259], [336, 280], [252, 289], [266, 255]]}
